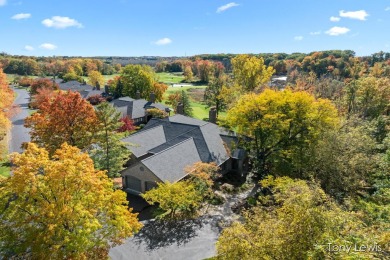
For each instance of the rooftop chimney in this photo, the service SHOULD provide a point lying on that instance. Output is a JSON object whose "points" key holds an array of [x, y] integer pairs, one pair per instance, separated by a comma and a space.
{"points": [[213, 115], [137, 95], [180, 109], [152, 97]]}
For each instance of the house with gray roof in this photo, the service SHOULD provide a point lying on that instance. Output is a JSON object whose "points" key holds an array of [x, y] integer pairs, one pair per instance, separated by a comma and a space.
{"points": [[164, 147], [84, 89], [136, 109]]}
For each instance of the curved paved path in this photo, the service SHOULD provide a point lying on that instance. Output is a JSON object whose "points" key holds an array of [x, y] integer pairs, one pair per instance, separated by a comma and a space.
{"points": [[19, 133]]}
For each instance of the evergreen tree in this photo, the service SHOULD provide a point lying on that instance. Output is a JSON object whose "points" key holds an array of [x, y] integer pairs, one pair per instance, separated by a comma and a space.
{"points": [[185, 100], [110, 152]]}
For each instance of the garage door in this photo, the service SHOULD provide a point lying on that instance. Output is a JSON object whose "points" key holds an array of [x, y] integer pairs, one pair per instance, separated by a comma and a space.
{"points": [[133, 183]]}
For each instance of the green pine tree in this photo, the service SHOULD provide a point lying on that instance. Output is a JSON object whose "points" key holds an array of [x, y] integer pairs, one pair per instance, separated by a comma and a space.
{"points": [[110, 152], [185, 100]]}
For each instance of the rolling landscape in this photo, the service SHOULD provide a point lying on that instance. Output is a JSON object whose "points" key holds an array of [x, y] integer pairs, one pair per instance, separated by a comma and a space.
{"points": [[199, 130]]}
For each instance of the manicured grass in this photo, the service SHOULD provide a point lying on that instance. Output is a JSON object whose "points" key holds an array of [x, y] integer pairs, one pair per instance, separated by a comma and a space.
{"points": [[170, 78], [200, 109], [5, 169], [10, 77]]}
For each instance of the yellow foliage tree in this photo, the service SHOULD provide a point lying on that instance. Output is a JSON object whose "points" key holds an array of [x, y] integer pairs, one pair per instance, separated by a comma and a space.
{"points": [[6, 100], [250, 71], [174, 198], [298, 221], [61, 207], [95, 78], [281, 124]]}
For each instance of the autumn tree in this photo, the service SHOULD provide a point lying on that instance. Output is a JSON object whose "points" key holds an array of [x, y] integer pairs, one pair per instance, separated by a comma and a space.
{"points": [[96, 79], [174, 198], [25, 81], [212, 94], [6, 100], [156, 113], [281, 125], [42, 96], [295, 221], [127, 125], [43, 83], [203, 175], [174, 99], [72, 76], [204, 70], [344, 160], [109, 153], [65, 118], [250, 72], [137, 78], [188, 75], [61, 207], [96, 99], [159, 90]]}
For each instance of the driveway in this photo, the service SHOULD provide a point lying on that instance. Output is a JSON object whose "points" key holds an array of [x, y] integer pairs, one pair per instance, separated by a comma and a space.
{"points": [[186, 239], [20, 134]]}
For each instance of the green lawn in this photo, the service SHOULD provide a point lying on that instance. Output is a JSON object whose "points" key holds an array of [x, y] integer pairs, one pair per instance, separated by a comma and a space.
{"points": [[5, 169], [170, 78], [200, 110]]}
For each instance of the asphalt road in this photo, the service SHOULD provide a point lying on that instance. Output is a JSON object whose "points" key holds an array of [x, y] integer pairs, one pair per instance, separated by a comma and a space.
{"points": [[19, 133], [189, 240]]}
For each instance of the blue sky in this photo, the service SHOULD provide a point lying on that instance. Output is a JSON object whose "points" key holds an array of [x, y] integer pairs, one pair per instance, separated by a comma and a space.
{"points": [[179, 28]]}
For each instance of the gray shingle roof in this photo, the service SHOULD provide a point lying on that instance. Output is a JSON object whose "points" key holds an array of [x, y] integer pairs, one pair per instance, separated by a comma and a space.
{"points": [[87, 93], [186, 120], [169, 164], [177, 130], [74, 85], [136, 108], [141, 142]]}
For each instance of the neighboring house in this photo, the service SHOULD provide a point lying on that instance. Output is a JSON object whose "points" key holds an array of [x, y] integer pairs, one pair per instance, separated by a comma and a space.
{"points": [[164, 147], [74, 86], [85, 90], [135, 109]]}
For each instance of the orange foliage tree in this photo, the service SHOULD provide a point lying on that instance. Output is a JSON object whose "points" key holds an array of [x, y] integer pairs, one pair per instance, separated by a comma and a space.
{"points": [[43, 83], [67, 117]]}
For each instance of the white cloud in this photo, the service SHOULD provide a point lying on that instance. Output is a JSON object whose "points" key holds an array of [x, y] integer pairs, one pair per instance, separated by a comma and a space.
{"points": [[3, 2], [21, 16], [359, 15], [227, 6], [335, 31], [61, 22], [48, 46], [28, 48], [315, 33], [298, 38], [334, 19], [387, 8], [163, 41]]}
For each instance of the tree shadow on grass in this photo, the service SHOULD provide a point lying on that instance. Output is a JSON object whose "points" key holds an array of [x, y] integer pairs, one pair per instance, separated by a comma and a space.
{"points": [[161, 233]]}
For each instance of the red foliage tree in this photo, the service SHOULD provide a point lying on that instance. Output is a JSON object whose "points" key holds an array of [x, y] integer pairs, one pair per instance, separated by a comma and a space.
{"points": [[128, 125], [96, 99]]}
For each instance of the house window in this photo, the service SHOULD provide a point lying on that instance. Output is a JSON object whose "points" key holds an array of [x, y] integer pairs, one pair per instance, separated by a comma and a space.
{"points": [[133, 183], [150, 185]]}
